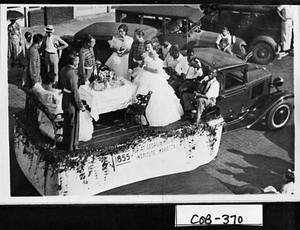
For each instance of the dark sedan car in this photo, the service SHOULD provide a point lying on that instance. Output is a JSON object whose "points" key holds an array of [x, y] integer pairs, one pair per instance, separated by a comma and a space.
{"points": [[247, 92], [180, 24], [258, 25], [103, 31]]}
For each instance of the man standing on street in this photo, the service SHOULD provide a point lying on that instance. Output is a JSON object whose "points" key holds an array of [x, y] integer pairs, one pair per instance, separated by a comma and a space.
{"points": [[52, 44], [32, 70], [286, 14], [71, 103], [33, 62]]}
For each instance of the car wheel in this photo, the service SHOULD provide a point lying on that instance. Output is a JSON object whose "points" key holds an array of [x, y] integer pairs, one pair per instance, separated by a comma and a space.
{"points": [[263, 53], [279, 115]]}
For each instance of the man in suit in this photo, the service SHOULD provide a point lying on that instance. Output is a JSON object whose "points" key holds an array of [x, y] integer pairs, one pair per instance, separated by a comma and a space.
{"points": [[205, 96], [52, 44], [71, 103]]}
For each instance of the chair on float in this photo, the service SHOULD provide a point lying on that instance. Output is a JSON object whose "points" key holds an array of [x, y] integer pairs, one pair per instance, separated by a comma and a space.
{"points": [[136, 111], [33, 104]]}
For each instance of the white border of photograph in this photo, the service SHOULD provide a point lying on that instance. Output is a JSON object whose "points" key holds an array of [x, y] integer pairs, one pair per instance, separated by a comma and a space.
{"points": [[5, 197]]}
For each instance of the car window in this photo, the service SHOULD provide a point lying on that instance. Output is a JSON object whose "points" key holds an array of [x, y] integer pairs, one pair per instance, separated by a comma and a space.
{"points": [[228, 17], [177, 25], [154, 21], [260, 20], [132, 18], [243, 19], [234, 79]]}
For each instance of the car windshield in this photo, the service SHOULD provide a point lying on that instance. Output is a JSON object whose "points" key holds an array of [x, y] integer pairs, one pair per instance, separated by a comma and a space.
{"points": [[180, 25], [233, 79]]}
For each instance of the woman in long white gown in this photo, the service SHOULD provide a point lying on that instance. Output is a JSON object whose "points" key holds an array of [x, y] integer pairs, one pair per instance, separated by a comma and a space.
{"points": [[164, 107], [52, 99], [120, 45]]}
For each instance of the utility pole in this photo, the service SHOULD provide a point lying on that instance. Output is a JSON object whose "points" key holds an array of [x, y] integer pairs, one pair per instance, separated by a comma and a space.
{"points": [[25, 16]]}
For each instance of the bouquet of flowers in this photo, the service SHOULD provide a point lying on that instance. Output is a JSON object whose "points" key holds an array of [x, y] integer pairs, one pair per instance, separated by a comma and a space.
{"points": [[105, 79], [121, 51]]}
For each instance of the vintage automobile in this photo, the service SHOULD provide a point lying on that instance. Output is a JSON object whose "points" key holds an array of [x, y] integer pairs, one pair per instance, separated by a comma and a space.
{"points": [[180, 24], [103, 31], [258, 25], [247, 92]]}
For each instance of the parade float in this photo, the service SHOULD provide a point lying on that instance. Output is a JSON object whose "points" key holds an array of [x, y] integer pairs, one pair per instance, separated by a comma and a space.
{"points": [[118, 153], [96, 168]]}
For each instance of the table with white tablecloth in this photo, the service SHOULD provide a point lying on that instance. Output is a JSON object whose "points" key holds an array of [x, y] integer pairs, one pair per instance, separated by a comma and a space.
{"points": [[108, 100]]}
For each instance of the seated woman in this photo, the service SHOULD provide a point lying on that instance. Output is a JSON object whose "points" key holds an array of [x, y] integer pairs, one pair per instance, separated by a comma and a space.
{"points": [[164, 107], [52, 99]]}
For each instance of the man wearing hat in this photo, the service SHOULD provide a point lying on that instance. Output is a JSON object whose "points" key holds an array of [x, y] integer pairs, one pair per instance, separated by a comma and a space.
{"points": [[52, 44]]}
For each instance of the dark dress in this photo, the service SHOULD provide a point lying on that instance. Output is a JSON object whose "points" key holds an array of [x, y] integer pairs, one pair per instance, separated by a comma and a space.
{"points": [[71, 105], [136, 52]]}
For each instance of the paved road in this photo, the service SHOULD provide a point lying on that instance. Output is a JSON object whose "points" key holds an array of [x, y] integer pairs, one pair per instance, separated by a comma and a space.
{"points": [[252, 156]]}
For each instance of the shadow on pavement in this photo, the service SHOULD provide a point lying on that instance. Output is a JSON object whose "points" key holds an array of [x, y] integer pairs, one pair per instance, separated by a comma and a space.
{"points": [[13, 110], [284, 138], [264, 170], [14, 76]]}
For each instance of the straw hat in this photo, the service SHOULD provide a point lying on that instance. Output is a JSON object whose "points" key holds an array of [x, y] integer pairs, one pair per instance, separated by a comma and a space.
{"points": [[49, 29]]}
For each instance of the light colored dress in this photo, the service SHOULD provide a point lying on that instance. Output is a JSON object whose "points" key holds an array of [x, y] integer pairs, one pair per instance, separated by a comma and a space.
{"points": [[116, 63], [52, 100], [164, 107], [14, 41]]}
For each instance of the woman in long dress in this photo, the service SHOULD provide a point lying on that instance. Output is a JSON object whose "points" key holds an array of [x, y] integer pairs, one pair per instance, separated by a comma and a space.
{"points": [[14, 42], [120, 45], [52, 99], [164, 107]]}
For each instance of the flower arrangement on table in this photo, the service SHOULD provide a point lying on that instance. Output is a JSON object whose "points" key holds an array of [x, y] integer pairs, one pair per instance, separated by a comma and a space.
{"points": [[105, 79]]}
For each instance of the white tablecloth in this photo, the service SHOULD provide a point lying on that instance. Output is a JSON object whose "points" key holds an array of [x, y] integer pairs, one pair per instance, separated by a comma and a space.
{"points": [[111, 99]]}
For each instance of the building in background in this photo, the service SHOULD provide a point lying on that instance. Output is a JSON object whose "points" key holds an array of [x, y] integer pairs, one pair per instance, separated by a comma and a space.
{"points": [[44, 15]]}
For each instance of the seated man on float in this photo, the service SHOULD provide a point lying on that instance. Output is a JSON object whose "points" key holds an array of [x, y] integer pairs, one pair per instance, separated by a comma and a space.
{"points": [[205, 96], [172, 59], [189, 68], [51, 98], [165, 47]]}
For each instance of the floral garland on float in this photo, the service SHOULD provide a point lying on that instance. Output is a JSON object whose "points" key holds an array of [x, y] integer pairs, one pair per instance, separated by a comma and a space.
{"points": [[100, 161]]}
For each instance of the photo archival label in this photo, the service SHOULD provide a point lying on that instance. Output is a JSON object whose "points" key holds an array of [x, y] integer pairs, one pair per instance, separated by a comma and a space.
{"points": [[205, 215]]}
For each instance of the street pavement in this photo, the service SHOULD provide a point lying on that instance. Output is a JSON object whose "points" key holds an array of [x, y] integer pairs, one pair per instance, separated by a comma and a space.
{"points": [[248, 156]]}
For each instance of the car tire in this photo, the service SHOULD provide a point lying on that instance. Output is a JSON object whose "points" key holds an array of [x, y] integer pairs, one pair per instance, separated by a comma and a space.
{"points": [[279, 115], [263, 53]]}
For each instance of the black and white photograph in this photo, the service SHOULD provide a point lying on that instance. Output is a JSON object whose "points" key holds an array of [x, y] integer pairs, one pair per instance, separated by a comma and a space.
{"points": [[160, 103]]}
